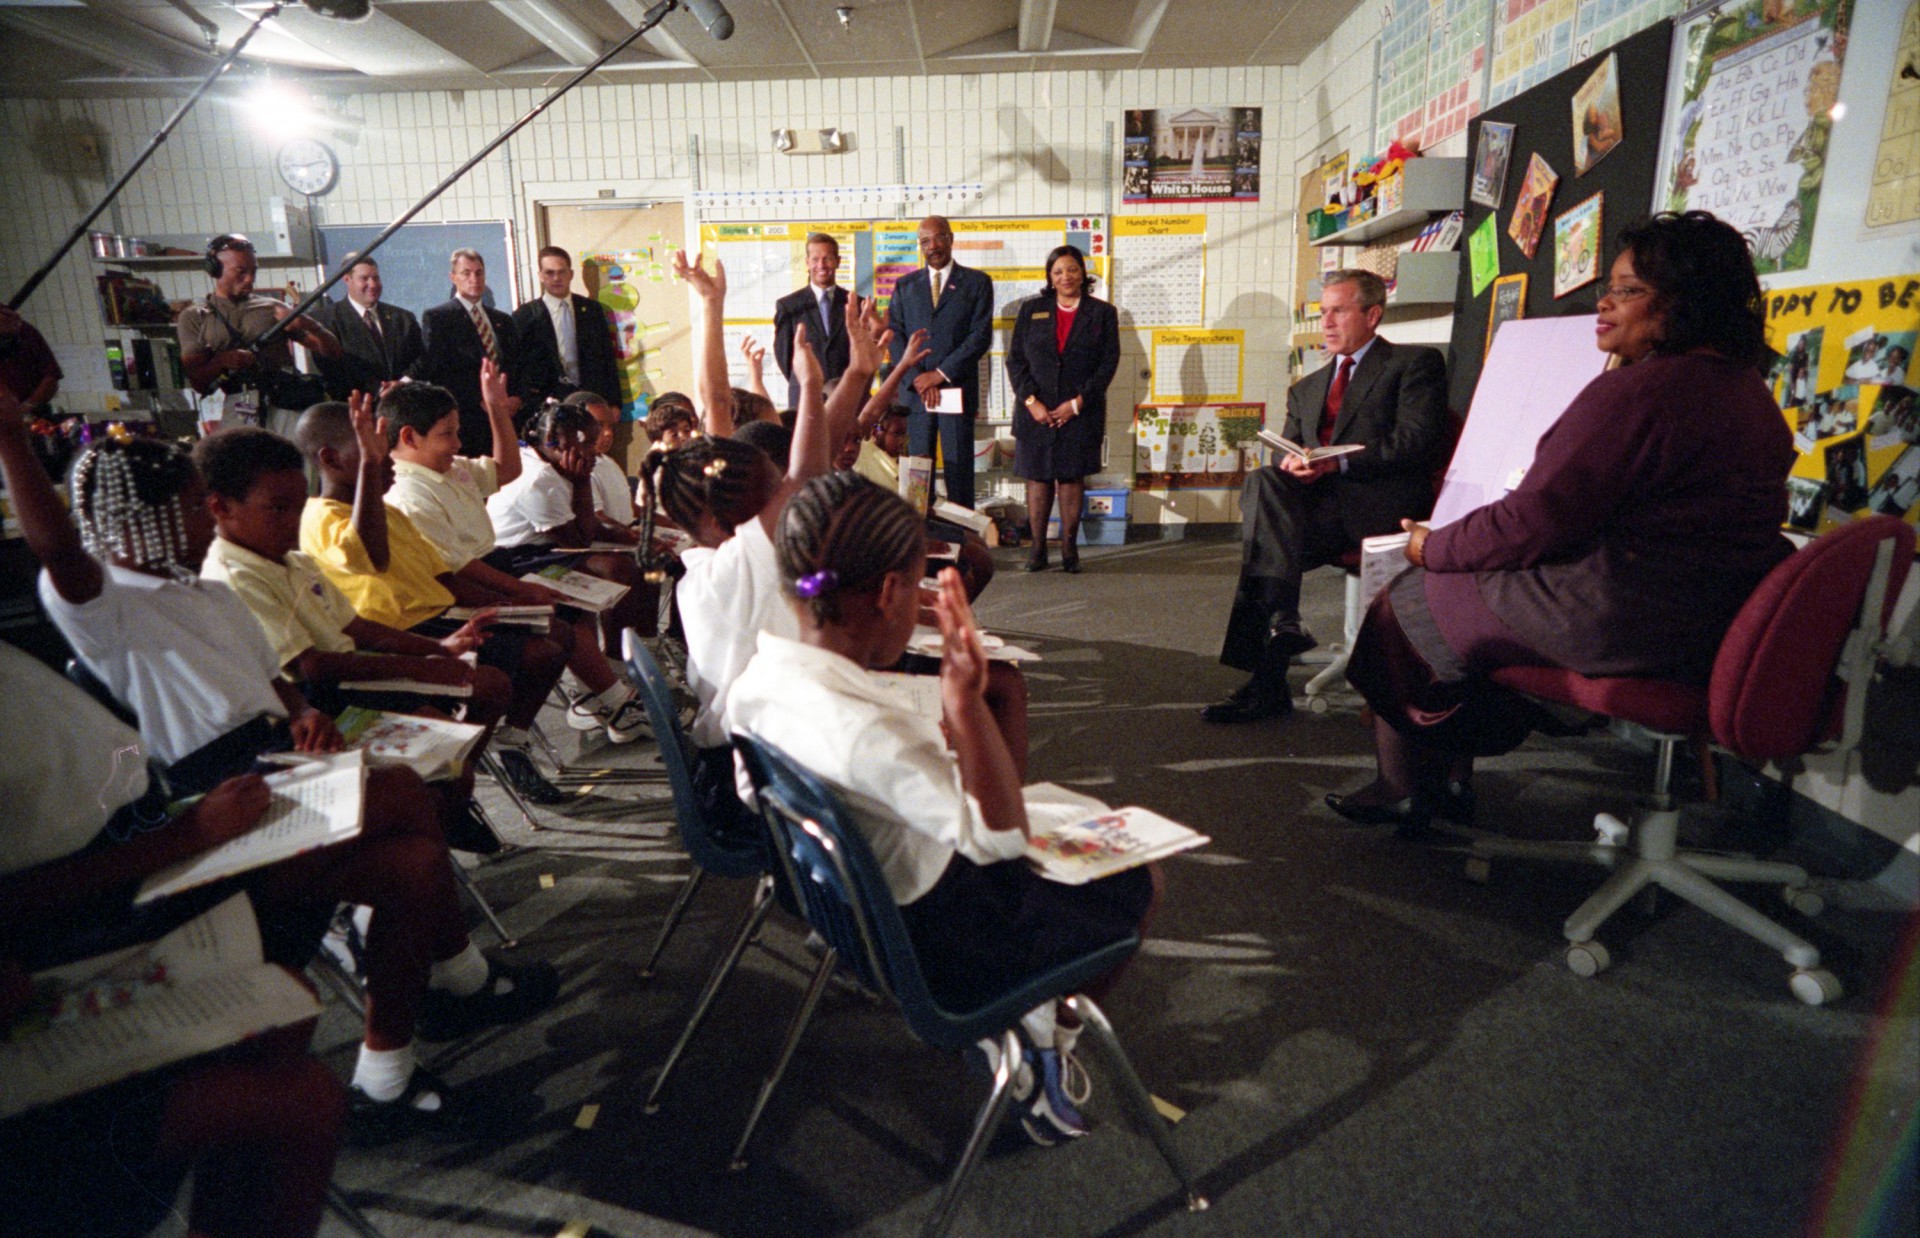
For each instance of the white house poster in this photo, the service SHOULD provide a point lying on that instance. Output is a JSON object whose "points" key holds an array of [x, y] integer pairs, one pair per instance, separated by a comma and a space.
{"points": [[1192, 154]]}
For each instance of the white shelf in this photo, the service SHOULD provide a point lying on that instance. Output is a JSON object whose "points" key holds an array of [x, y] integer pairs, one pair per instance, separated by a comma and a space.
{"points": [[1427, 187]]}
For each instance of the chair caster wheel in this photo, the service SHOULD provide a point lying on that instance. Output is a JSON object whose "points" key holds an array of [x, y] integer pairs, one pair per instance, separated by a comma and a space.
{"points": [[1317, 703], [1588, 958], [1804, 900], [1479, 869], [1815, 986]]}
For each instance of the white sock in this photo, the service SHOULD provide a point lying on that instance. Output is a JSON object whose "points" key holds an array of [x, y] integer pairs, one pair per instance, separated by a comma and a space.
{"points": [[505, 736], [463, 975], [383, 1074], [614, 697], [1039, 1024], [1065, 1035]]}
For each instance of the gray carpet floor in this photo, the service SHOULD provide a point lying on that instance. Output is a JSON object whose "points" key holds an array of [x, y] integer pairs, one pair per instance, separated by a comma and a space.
{"points": [[1362, 1041]]}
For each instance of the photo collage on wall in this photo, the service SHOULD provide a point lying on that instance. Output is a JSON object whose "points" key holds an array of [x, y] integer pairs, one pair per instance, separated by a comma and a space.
{"points": [[1846, 381], [1192, 154]]}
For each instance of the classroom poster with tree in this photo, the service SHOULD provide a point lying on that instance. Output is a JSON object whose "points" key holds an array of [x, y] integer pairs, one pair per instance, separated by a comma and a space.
{"points": [[1747, 136]]}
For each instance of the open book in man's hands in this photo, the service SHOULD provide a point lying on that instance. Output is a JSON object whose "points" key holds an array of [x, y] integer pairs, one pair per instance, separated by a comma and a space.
{"points": [[201, 987], [1310, 454], [1074, 839]]}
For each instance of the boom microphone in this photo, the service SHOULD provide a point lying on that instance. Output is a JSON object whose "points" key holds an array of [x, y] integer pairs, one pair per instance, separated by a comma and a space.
{"points": [[713, 15]]}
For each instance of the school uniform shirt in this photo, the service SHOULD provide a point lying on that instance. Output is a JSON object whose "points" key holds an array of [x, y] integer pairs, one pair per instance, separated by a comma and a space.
{"points": [[408, 592], [527, 509], [728, 597], [187, 659], [70, 764], [296, 606], [450, 508], [612, 491], [890, 766]]}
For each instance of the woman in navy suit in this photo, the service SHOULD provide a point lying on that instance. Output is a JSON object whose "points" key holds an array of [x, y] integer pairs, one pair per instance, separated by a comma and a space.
{"points": [[1064, 351]]}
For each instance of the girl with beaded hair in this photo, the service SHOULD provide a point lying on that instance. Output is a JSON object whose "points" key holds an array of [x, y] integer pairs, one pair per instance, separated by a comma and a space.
{"points": [[139, 502], [939, 800]]}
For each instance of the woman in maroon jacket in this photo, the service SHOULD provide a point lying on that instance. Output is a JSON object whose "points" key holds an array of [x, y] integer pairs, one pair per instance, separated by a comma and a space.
{"points": [[1651, 511]]}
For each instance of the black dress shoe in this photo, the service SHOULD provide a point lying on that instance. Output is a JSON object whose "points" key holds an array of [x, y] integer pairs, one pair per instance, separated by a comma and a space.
{"points": [[526, 778], [1456, 803], [1251, 703], [1070, 562], [1036, 562], [1408, 816]]}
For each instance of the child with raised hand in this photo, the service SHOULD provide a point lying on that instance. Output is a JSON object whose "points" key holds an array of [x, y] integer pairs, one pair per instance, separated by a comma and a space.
{"points": [[393, 575], [942, 812], [188, 658], [445, 495]]}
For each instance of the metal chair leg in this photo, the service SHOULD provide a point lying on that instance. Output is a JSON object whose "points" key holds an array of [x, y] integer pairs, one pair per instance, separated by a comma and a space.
{"points": [[675, 914], [490, 766], [801, 1018], [1134, 1095], [991, 1114], [350, 1216], [749, 928], [340, 981], [461, 875]]}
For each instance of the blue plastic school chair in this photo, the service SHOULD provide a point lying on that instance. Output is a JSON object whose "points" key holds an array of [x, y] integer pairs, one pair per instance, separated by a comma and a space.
{"points": [[828, 869], [711, 850]]}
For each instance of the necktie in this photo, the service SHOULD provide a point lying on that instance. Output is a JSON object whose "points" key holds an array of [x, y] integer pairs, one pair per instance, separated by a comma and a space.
{"points": [[490, 345], [1336, 396], [938, 279], [826, 318], [373, 329]]}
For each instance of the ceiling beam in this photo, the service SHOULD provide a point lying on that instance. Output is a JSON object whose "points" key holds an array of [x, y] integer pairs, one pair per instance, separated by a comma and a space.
{"points": [[1036, 24], [102, 38], [1145, 22], [377, 45], [633, 12], [570, 40]]}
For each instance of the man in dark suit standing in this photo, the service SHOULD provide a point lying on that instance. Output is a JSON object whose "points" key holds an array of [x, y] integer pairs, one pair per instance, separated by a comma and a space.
{"points": [[379, 342], [954, 305], [566, 340], [1389, 398], [456, 336], [822, 305]]}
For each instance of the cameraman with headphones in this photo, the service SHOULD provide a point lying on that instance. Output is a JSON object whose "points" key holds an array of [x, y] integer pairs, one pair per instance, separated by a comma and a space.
{"points": [[217, 337]]}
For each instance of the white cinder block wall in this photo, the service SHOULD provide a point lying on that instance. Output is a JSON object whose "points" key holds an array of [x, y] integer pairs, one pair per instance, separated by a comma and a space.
{"points": [[1037, 141]]}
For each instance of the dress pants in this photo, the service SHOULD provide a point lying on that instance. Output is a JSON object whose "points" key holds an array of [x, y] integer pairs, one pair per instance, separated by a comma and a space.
{"points": [[956, 449], [1287, 527]]}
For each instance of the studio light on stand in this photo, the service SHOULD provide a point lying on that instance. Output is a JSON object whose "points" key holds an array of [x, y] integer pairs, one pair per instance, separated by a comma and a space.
{"points": [[340, 10]]}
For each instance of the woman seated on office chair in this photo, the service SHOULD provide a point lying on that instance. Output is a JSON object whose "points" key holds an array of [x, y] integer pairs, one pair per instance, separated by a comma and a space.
{"points": [[1651, 511]]}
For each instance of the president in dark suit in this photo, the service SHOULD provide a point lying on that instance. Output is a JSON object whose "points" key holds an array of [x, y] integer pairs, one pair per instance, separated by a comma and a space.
{"points": [[379, 342], [456, 336], [566, 340], [822, 305], [954, 305], [1389, 398]]}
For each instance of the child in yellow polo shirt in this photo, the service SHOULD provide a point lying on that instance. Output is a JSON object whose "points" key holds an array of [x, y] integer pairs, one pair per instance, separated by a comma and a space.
{"points": [[393, 575]]}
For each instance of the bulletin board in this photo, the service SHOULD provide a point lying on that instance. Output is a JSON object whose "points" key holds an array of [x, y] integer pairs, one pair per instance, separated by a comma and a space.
{"points": [[1543, 123], [1196, 446], [1847, 381]]}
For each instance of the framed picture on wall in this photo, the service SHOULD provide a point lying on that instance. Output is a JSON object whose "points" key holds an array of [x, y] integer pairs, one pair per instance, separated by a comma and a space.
{"points": [[1490, 163], [1530, 211], [1509, 302], [1576, 246]]}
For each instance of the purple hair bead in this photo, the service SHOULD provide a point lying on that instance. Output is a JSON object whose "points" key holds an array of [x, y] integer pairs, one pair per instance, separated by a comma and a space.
{"points": [[816, 583]]}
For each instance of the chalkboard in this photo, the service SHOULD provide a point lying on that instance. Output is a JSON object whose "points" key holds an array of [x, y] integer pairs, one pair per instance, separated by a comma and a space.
{"points": [[414, 261], [1543, 121]]}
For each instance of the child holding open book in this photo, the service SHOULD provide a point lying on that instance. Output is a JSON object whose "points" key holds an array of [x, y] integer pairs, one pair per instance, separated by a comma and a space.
{"points": [[947, 824]]}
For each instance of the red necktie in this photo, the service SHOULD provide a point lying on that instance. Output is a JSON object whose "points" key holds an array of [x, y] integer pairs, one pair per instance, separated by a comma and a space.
{"points": [[1336, 396]]}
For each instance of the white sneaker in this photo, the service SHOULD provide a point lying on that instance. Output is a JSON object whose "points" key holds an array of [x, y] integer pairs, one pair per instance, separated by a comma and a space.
{"points": [[585, 713], [628, 722]]}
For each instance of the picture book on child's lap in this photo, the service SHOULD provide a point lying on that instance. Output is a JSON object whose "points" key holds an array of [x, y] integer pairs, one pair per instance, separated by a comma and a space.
{"points": [[434, 748], [202, 987], [314, 806], [584, 591], [532, 618], [1074, 838], [1309, 454]]}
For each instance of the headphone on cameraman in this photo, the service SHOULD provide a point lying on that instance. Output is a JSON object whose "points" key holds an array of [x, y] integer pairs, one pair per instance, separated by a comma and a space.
{"points": [[221, 244]]}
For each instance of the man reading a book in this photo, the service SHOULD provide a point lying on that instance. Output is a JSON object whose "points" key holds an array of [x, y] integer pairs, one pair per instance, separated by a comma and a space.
{"points": [[1391, 400]]}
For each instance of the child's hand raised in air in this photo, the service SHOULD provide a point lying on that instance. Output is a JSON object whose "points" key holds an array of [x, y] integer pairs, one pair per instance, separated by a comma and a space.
{"points": [[756, 354], [807, 374], [917, 350], [867, 335], [369, 432], [963, 659], [710, 286]]}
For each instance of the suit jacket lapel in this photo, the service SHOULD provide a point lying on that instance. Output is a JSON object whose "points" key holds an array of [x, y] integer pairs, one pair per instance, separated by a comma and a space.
{"points": [[1365, 375]]}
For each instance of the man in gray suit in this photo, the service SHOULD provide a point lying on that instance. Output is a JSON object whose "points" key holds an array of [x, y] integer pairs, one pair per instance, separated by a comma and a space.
{"points": [[1391, 399], [378, 341], [954, 305]]}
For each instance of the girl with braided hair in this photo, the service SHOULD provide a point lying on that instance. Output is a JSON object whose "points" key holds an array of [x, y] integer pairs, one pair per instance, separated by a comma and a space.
{"points": [[940, 802]]}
